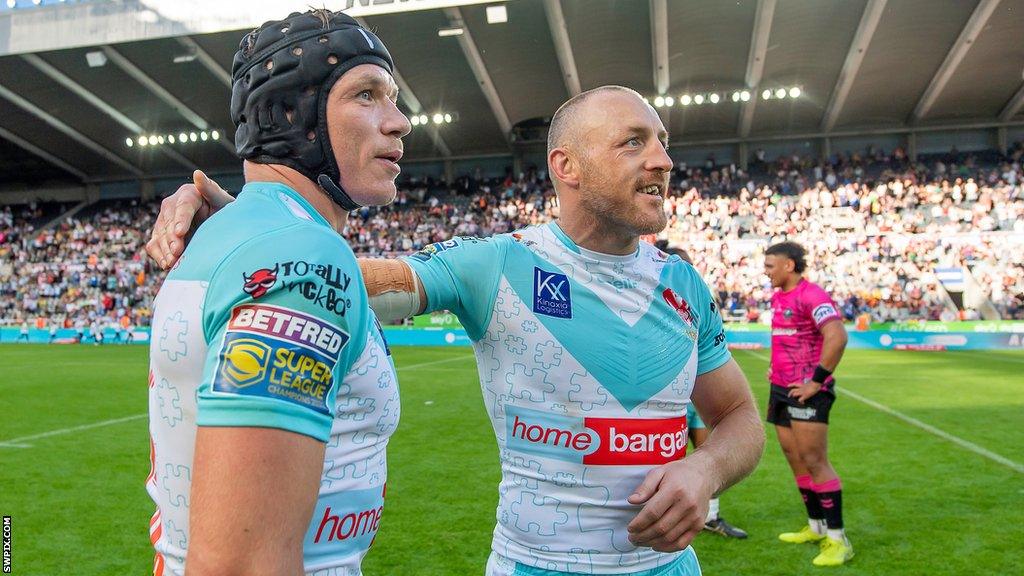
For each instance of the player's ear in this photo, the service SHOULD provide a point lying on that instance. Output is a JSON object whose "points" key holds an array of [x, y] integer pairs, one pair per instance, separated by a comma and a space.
{"points": [[564, 167]]}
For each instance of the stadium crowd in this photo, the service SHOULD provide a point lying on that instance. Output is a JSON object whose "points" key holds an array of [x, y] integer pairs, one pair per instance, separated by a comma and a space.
{"points": [[876, 225], [87, 272]]}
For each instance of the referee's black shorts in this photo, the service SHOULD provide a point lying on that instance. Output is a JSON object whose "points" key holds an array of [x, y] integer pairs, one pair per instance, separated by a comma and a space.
{"points": [[782, 408]]}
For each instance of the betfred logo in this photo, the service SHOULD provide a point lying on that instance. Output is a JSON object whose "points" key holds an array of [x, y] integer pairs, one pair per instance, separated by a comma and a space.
{"points": [[681, 306], [596, 441], [290, 325], [260, 282]]}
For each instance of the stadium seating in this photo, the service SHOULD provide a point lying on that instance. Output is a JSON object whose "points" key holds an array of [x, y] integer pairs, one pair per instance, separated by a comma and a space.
{"points": [[877, 227]]}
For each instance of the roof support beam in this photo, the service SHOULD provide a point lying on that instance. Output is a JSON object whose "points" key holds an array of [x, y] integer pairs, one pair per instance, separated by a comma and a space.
{"points": [[62, 79], [414, 105], [1013, 106], [854, 57], [563, 49], [68, 130], [476, 63], [956, 54], [7, 135], [160, 92], [206, 60], [659, 44], [755, 61]]}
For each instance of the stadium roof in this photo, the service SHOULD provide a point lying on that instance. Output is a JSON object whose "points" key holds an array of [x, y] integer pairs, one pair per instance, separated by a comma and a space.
{"points": [[861, 66]]}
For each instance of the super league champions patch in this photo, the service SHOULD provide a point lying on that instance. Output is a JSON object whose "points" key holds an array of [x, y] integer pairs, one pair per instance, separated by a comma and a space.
{"points": [[823, 312], [280, 354], [551, 294]]}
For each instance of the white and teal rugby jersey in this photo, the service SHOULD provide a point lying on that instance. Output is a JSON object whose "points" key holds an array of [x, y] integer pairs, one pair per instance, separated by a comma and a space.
{"points": [[265, 323], [586, 363]]}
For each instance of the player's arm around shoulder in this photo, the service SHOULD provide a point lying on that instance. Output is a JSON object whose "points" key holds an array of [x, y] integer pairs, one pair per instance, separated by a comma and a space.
{"points": [[283, 318], [460, 274]]}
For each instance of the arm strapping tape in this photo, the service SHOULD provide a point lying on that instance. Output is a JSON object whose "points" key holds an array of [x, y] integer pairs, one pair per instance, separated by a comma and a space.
{"points": [[392, 287]]}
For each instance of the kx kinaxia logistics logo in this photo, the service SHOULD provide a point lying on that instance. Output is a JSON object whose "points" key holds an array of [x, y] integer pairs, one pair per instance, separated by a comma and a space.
{"points": [[551, 295]]}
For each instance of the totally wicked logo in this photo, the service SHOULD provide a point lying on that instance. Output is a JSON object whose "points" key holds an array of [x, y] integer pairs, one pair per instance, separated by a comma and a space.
{"points": [[596, 441], [323, 284], [259, 282]]}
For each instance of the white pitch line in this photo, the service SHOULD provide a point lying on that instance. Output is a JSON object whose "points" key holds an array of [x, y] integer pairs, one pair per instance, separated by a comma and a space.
{"points": [[13, 441], [1015, 466], [19, 442], [431, 363], [940, 433]]}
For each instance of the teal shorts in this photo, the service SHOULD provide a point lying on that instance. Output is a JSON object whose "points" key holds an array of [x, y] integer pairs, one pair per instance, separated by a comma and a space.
{"points": [[692, 418], [685, 564]]}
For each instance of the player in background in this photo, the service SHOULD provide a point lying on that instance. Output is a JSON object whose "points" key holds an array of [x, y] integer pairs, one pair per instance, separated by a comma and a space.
{"points": [[23, 335], [96, 331], [272, 391], [699, 434], [808, 340], [589, 346]]}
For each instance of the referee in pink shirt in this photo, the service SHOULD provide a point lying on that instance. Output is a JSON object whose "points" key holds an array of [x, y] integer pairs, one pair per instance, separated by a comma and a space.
{"points": [[808, 340]]}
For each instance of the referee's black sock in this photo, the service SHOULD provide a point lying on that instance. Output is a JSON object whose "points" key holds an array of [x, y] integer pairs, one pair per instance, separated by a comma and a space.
{"points": [[830, 494], [811, 501]]}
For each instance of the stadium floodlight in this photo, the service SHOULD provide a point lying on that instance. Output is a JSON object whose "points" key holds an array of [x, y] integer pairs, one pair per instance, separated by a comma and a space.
{"points": [[698, 99], [745, 95], [447, 118], [714, 98], [192, 137], [670, 101], [780, 93], [659, 101], [794, 92], [735, 96], [497, 14], [204, 136], [182, 137], [215, 135], [685, 100], [96, 58], [767, 94], [129, 142], [438, 118], [415, 120], [160, 140], [170, 138], [450, 31], [142, 141]]}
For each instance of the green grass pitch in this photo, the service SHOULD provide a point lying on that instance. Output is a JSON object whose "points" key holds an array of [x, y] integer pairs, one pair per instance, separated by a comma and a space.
{"points": [[915, 503]]}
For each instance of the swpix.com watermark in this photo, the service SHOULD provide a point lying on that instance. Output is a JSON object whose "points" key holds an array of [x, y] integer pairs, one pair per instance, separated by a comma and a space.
{"points": [[7, 545]]}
